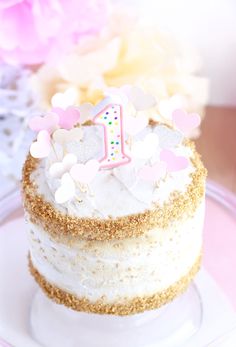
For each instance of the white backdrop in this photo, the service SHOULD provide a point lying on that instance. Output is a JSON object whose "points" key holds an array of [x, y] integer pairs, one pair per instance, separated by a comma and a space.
{"points": [[210, 25]]}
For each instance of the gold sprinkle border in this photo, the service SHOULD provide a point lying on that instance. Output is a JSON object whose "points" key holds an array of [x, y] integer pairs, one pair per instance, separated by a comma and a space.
{"points": [[128, 307], [59, 225]]}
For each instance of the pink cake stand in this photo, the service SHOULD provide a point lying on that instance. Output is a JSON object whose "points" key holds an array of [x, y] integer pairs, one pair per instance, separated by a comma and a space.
{"points": [[163, 327]]}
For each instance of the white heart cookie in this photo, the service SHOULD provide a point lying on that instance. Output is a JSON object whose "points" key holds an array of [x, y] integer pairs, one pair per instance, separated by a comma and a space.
{"points": [[65, 99], [140, 100], [167, 106], [117, 95], [134, 125], [146, 148], [57, 169], [168, 138], [66, 191], [41, 147], [63, 136], [85, 173]]}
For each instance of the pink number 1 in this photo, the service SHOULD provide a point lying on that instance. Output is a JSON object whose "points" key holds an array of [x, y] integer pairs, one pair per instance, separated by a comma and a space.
{"points": [[111, 119]]}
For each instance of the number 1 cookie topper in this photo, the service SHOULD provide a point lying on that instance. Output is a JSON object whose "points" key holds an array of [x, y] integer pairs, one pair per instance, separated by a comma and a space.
{"points": [[111, 120]]}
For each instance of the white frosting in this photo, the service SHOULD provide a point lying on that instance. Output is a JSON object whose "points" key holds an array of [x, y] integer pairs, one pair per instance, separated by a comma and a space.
{"points": [[116, 192], [119, 269]]}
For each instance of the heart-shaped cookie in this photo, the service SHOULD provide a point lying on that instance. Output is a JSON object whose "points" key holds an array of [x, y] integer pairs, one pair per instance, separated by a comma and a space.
{"points": [[65, 99], [173, 161], [49, 122], [57, 169], [167, 106], [66, 191], [168, 138], [185, 122], [63, 136], [153, 173], [146, 148], [41, 147], [140, 100], [117, 95], [85, 173], [134, 125], [67, 118]]}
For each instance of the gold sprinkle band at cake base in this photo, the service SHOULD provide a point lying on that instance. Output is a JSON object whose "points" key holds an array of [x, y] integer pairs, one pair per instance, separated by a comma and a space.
{"points": [[129, 307]]}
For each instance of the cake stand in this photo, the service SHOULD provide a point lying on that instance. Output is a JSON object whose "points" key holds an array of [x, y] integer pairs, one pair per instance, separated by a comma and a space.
{"points": [[168, 326], [29, 319]]}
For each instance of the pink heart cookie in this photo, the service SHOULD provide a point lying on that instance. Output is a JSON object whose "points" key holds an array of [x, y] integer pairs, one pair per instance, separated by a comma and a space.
{"points": [[185, 122], [49, 123], [134, 125], [67, 118], [41, 147], [173, 162], [85, 173], [153, 173]]}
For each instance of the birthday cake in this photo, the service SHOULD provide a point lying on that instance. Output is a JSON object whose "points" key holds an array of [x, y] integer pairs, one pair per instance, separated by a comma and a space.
{"points": [[114, 203]]}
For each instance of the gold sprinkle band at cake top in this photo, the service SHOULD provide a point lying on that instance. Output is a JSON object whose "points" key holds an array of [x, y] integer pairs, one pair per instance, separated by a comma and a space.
{"points": [[59, 225], [126, 307]]}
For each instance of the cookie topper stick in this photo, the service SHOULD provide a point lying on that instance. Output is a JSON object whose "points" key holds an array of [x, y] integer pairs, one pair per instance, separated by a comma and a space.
{"points": [[111, 120]]}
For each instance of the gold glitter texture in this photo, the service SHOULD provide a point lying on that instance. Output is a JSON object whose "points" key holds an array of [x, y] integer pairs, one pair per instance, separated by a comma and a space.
{"points": [[127, 307]]}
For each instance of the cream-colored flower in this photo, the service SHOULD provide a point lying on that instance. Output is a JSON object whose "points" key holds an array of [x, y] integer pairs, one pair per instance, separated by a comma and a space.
{"points": [[136, 55]]}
